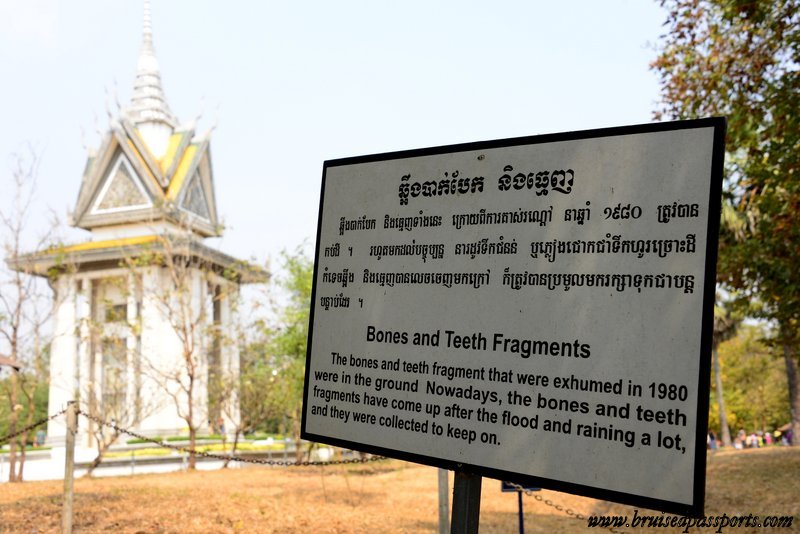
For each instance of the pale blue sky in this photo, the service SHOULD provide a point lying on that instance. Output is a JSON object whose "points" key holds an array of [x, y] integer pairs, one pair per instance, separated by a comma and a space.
{"points": [[292, 84]]}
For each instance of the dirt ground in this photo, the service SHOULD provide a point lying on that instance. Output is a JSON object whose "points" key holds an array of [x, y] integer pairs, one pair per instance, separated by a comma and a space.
{"points": [[389, 496]]}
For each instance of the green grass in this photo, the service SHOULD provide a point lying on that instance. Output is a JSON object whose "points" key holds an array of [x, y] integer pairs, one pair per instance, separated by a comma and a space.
{"points": [[206, 437], [27, 448], [137, 441], [263, 435], [214, 447], [242, 446], [212, 437], [149, 451]]}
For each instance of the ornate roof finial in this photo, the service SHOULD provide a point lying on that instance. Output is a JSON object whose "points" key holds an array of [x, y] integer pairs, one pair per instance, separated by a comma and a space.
{"points": [[148, 108], [147, 29], [148, 103]]}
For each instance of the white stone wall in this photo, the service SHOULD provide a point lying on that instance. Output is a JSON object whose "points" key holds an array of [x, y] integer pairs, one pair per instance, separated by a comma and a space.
{"points": [[150, 337]]}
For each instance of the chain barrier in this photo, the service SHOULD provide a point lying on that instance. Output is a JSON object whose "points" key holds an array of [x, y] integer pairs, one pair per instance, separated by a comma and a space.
{"points": [[569, 511], [275, 463], [214, 456], [30, 427]]}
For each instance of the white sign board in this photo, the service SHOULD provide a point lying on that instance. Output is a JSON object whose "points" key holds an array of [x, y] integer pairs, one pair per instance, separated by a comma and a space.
{"points": [[536, 310]]}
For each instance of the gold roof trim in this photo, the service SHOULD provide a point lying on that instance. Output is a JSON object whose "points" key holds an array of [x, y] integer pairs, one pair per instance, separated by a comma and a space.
{"points": [[183, 170]]}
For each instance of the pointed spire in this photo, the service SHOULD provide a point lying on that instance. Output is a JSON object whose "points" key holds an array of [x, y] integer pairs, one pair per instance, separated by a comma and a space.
{"points": [[148, 108], [148, 103], [147, 27]]}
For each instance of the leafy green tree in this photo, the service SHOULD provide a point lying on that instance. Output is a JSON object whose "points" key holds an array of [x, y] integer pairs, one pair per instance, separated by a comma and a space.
{"points": [[739, 58], [37, 388], [273, 366], [755, 383], [726, 324]]}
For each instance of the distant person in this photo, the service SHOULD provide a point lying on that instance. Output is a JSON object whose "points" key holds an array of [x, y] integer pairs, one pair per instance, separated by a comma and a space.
{"points": [[741, 437], [712, 440]]}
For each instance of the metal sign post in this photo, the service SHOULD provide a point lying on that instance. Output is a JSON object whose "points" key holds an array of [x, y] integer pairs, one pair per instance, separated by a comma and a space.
{"points": [[507, 487], [466, 503], [444, 496]]}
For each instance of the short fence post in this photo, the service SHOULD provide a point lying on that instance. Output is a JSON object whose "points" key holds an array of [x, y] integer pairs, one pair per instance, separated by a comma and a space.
{"points": [[69, 468]]}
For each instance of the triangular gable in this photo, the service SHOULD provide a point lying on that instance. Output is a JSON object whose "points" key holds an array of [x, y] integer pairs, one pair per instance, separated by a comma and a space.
{"points": [[116, 142], [130, 190], [207, 175], [194, 198], [192, 187], [121, 190]]}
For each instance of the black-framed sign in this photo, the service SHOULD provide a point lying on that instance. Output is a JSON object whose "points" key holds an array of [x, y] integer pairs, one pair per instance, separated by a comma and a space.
{"points": [[534, 309]]}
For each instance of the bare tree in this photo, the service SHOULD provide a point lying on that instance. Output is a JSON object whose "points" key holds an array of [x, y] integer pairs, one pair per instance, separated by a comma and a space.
{"points": [[111, 402], [250, 389], [185, 292], [24, 305]]}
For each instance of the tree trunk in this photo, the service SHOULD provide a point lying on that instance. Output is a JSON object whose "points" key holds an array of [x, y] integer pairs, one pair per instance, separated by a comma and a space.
{"points": [[192, 449], [790, 358], [298, 445], [12, 426], [723, 418], [233, 448], [192, 427], [24, 436], [101, 451], [21, 459]]}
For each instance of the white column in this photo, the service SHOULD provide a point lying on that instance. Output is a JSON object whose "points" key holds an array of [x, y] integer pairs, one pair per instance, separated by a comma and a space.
{"points": [[161, 356], [132, 392], [63, 356], [203, 321], [86, 388], [229, 357]]}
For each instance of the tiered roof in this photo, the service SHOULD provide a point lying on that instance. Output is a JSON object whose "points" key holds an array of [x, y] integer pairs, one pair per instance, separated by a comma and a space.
{"points": [[148, 169], [149, 189]]}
